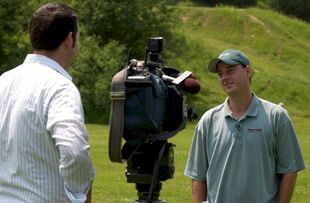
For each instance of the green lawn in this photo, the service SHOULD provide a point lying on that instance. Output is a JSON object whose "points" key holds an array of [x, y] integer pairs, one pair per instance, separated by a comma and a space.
{"points": [[110, 184]]}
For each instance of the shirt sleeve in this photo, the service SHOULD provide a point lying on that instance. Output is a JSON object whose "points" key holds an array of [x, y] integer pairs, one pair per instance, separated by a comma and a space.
{"points": [[66, 124], [75, 197], [197, 162], [288, 152]]}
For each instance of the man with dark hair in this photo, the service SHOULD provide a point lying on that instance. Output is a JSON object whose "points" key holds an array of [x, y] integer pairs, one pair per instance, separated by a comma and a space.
{"points": [[244, 150], [44, 150]]}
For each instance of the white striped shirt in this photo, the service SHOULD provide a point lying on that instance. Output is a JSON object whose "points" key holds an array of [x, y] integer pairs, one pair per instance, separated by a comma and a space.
{"points": [[44, 150]]}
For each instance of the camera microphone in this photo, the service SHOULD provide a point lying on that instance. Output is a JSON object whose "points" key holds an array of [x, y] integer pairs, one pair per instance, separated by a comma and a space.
{"points": [[187, 81], [190, 85]]}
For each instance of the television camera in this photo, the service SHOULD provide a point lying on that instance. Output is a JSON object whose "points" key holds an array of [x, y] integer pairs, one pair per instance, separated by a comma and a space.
{"points": [[148, 107]]}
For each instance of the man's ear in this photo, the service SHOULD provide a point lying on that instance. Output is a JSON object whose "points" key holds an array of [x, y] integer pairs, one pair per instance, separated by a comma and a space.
{"points": [[251, 71], [69, 41]]}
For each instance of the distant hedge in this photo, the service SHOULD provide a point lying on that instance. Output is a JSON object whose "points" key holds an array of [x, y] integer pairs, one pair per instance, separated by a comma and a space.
{"points": [[297, 8], [237, 3]]}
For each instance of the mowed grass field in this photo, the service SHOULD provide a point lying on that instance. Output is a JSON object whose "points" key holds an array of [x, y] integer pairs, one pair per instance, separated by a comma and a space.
{"points": [[110, 184]]}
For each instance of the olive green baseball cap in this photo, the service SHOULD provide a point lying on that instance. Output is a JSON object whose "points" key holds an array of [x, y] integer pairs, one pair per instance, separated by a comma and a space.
{"points": [[231, 57]]}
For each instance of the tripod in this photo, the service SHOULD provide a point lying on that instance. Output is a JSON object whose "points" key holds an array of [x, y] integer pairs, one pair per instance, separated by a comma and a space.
{"points": [[150, 164]]}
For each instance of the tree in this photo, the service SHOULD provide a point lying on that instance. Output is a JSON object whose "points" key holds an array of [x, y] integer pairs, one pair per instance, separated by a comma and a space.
{"points": [[129, 22], [13, 38], [92, 73], [237, 3], [297, 8]]}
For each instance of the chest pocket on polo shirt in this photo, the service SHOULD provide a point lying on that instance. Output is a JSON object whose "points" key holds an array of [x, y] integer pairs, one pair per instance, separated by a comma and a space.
{"points": [[259, 139]]}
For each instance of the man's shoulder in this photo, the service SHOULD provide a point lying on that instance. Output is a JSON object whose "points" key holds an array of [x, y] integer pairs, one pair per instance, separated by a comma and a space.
{"points": [[270, 106], [216, 109], [213, 113], [10, 72], [273, 111]]}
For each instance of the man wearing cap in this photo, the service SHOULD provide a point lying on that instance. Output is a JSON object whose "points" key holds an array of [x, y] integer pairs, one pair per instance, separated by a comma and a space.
{"points": [[244, 150]]}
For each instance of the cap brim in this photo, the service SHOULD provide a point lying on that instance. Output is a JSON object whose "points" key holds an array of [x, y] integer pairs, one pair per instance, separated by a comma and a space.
{"points": [[212, 65]]}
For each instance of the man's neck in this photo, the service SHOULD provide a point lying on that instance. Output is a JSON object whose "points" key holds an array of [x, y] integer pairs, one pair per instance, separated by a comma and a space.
{"points": [[240, 104], [52, 55]]}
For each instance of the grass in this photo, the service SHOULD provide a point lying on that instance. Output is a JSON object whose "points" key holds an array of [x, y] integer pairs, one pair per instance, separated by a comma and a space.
{"points": [[110, 185], [302, 190]]}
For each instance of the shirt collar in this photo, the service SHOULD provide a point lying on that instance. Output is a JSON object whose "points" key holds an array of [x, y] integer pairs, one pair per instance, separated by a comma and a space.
{"points": [[43, 60], [252, 110]]}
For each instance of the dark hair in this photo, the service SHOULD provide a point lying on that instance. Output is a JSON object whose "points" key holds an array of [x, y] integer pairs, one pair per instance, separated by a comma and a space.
{"points": [[50, 25]]}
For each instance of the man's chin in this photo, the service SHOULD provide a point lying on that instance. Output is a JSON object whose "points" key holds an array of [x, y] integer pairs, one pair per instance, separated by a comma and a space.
{"points": [[229, 91]]}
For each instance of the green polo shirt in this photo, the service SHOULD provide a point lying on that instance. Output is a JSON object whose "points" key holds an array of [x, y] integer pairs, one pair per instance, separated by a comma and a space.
{"points": [[240, 159]]}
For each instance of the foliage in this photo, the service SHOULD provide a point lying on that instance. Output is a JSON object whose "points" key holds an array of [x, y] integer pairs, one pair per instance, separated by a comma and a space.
{"points": [[14, 42], [92, 73], [129, 22], [297, 8], [13, 39], [237, 3]]}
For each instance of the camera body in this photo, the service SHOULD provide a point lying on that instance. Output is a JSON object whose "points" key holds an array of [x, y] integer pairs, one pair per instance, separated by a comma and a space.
{"points": [[155, 109]]}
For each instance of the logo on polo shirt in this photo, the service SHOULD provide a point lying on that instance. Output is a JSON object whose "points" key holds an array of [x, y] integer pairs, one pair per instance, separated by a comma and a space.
{"points": [[254, 130]]}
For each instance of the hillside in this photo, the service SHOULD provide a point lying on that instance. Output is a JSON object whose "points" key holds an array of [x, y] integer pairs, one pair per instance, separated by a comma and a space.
{"points": [[278, 48]]}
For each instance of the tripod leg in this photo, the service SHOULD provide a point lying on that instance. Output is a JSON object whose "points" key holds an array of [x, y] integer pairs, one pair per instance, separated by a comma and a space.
{"points": [[155, 174]]}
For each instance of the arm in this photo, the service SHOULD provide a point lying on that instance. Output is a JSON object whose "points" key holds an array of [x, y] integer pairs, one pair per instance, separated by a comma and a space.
{"points": [[287, 186], [289, 157], [66, 125], [88, 200], [199, 191]]}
